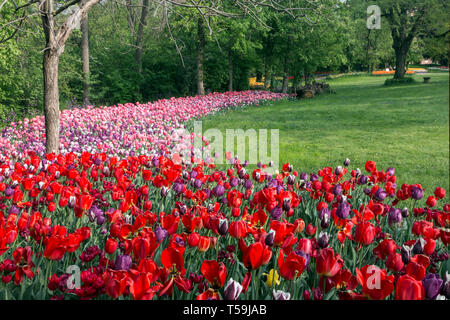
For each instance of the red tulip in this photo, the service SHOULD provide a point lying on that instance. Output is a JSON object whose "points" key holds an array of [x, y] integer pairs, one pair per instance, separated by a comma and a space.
{"points": [[431, 201], [394, 262], [110, 245], [364, 233], [193, 239], [327, 263], [375, 282], [292, 266], [238, 229], [439, 193], [203, 243], [214, 272], [255, 255], [408, 288]]}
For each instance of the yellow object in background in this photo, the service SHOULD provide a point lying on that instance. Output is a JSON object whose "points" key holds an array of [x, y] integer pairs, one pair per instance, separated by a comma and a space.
{"points": [[253, 83]]}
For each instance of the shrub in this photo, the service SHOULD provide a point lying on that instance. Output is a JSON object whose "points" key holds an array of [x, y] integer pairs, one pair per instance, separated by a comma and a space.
{"points": [[393, 81]]}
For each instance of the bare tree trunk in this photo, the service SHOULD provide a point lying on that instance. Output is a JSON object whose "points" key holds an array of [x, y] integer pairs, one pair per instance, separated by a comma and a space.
{"points": [[266, 74], [54, 46], [84, 26], [140, 34], [130, 16], [284, 88], [230, 69], [200, 53], [51, 101]]}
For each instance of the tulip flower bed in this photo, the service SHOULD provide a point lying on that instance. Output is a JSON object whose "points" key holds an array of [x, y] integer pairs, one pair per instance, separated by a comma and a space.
{"points": [[143, 227], [124, 130]]}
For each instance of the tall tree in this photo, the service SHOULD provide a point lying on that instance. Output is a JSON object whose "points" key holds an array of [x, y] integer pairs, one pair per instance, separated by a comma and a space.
{"points": [[140, 34], [407, 19], [84, 26], [56, 36], [201, 40]]}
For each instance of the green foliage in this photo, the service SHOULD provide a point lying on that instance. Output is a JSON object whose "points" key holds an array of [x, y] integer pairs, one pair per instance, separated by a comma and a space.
{"points": [[335, 39], [393, 81]]}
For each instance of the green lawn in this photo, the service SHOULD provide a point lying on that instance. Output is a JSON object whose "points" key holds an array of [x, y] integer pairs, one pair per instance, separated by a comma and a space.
{"points": [[404, 126]]}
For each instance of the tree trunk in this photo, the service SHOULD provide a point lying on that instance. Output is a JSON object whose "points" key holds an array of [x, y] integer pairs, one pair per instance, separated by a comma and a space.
{"points": [[51, 101], [230, 70], [285, 86], [200, 53], [272, 81], [266, 74], [84, 26], [140, 34], [400, 61]]}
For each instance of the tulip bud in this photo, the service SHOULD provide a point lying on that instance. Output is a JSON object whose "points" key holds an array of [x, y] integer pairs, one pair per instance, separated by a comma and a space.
{"points": [[286, 204], [164, 191], [419, 246], [405, 213], [72, 201], [325, 222], [291, 179], [338, 170], [406, 254], [281, 295], [346, 162], [223, 227], [270, 238], [232, 290], [323, 240], [242, 173]]}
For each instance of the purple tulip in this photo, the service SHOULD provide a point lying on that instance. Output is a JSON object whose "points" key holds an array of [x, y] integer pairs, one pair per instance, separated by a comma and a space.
{"points": [[197, 184], [304, 176], [432, 284], [232, 290], [122, 262], [160, 233], [394, 216], [380, 194], [270, 238], [390, 171], [337, 189], [276, 213], [323, 212], [363, 179], [416, 193], [223, 227], [248, 184], [323, 240], [343, 210], [219, 190]]}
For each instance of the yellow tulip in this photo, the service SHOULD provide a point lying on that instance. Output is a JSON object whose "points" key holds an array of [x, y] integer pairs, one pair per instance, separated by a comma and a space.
{"points": [[272, 278]]}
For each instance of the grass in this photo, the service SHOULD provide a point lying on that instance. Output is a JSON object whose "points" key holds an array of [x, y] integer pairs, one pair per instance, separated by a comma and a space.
{"points": [[405, 126]]}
